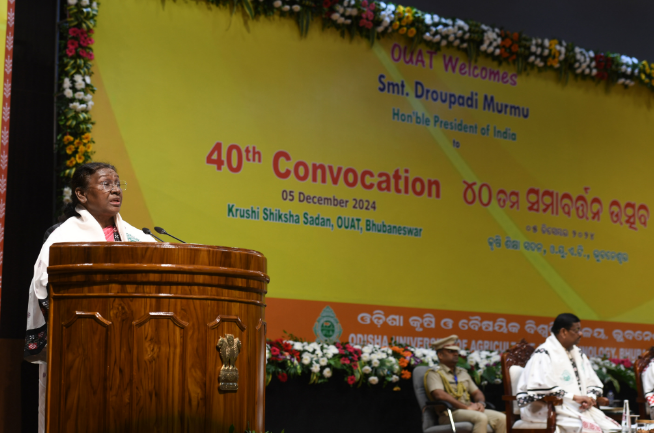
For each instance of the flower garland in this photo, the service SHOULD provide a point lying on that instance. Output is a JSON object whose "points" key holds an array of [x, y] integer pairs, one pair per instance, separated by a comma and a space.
{"points": [[373, 364], [74, 139], [373, 20]]}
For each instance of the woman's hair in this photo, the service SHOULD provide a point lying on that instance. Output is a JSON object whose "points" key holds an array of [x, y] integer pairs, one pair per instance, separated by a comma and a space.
{"points": [[80, 180], [564, 321]]}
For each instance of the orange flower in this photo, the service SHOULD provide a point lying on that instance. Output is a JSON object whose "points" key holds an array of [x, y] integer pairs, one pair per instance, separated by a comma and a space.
{"points": [[406, 374], [407, 353], [68, 139], [81, 149], [86, 137], [514, 48], [516, 36], [403, 362], [503, 53], [89, 147], [79, 158], [397, 349], [78, 142], [70, 162], [402, 30], [70, 149]]}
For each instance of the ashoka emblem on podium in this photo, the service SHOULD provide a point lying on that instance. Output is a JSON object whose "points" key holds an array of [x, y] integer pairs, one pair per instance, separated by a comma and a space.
{"points": [[229, 348]]}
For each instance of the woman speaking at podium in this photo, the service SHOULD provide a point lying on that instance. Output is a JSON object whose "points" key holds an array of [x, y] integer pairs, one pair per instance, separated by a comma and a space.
{"points": [[92, 216]]}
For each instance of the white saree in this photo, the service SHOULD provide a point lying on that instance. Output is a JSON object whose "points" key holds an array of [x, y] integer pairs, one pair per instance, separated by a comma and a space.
{"points": [[551, 372], [648, 386], [84, 228]]}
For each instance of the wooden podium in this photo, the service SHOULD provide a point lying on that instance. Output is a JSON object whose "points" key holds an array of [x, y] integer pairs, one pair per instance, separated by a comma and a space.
{"points": [[134, 329]]}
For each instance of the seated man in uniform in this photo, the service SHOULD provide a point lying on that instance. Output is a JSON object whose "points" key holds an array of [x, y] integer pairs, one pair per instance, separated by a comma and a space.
{"points": [[453, 384], [557, 367]]}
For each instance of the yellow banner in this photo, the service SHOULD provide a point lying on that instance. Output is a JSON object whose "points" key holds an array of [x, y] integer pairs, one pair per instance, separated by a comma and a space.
{"points": [[378, 176]]}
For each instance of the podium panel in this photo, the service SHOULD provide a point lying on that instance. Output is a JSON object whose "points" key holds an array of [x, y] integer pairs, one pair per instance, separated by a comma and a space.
{"points": [[135, 330]]}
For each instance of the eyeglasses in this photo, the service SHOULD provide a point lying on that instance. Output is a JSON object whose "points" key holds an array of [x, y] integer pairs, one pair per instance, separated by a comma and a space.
{"points": [[107, 186]]}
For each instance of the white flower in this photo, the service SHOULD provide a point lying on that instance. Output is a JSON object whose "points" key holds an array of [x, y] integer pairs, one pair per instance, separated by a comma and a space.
{"points": [[68, 93], [89, 105], [366, 369], [67, 84], [375, 363], [277, 3], [306, 360], [68, 192], [322, 361], [327, 372], [72, 2], [74, 106], [297, 345], [94, 5], [348, 22], [84, 3], [340, 20], [87, 79], [296, 8], [365, 357], [374, 380], [77, 78], [82, 107], [394, 378], [315, 368], [88, 97], [286, 8], [366, 349], [79, 85], [67, 200], [79, 95], [497, 51]]}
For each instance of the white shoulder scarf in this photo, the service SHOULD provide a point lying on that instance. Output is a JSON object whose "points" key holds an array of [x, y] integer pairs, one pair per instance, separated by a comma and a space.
{"points": [[84, 228]]}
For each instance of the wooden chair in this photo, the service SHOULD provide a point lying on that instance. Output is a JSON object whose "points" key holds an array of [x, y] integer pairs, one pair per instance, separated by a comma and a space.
{"points": [[641, 365], [518, 356]]}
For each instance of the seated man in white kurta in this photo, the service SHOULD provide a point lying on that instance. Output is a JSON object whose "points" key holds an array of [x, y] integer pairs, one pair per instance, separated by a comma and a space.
{"points": [[648, 386], [559, 368]]}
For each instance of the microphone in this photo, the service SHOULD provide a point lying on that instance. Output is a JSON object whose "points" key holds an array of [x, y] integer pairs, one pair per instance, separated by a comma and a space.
{"points": [[148, 232], [161, 231]]}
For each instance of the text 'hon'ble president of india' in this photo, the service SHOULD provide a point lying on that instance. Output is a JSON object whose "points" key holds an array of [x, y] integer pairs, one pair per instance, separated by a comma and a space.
{"points": [[453, 384], [557, 367], [92, 216]]}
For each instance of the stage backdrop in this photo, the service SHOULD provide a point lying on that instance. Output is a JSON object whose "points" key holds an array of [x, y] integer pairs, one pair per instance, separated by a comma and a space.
{"points": [[396, 194]]}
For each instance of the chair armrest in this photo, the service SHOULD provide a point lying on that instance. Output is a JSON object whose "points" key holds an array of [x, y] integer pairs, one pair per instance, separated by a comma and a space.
{"points": [[554, 400], [509, 398], [447, 404], [602, 401]]}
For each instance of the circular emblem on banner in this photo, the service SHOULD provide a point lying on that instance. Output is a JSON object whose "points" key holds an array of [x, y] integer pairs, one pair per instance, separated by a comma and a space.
{"points": [[566, 375], [327, 328]]}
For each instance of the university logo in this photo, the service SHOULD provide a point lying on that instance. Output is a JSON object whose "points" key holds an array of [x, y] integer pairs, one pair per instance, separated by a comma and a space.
{"points": [[327, 328], [566, 375]]}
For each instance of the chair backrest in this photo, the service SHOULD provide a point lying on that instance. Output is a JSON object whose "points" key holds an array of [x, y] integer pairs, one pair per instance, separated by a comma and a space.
{"points": [[513, 362], [429, 418], [640, 366]]}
